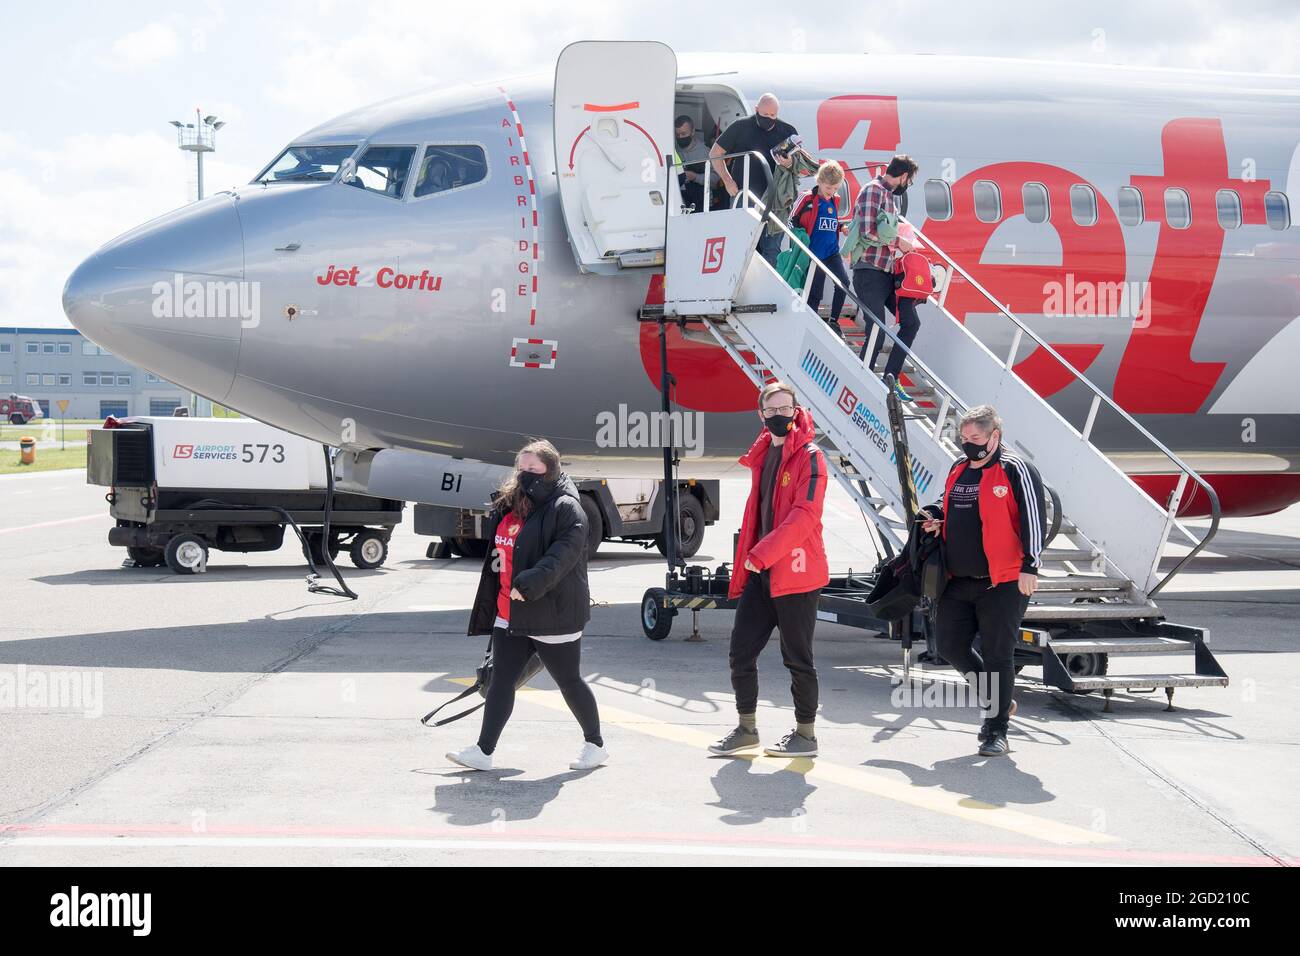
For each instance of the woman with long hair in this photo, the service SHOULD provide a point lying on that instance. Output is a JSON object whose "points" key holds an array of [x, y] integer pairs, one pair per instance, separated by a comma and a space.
{"points": [[533, 599]]}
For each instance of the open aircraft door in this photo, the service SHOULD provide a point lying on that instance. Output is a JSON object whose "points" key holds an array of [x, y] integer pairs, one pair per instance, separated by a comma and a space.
{"points": [[613, 127]]}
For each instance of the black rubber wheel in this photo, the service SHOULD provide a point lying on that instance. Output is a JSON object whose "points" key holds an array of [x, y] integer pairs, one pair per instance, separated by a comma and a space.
{"points": [[186, 554], [1053, 514], [147, 557], [595, 525], [470, 547], [656, 620], [1085, 665], [315, 540], [690, 527], [369, 550]]}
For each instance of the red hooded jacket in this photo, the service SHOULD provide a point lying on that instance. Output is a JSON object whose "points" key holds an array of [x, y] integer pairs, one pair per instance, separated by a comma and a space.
{"points": [[792, 552]]}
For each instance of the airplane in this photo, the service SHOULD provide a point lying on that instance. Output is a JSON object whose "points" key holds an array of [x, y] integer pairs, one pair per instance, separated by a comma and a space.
{"points": [[443, 275]]}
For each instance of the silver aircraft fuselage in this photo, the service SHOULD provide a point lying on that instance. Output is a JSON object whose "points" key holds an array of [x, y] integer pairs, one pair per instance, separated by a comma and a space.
{"points": [[459, 323]]}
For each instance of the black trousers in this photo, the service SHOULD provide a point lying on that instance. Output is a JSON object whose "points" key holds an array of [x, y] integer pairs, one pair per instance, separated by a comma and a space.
{"points": [[974, 605], [876, 289], [794, 615], [510, 653], [834, 262]]}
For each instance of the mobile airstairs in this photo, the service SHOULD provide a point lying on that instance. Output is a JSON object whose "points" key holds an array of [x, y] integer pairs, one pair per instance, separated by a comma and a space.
{"points": [[1107, 537]]}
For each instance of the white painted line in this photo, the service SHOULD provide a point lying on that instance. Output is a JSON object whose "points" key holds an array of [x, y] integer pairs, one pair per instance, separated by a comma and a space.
{"points": [[544, 846]]}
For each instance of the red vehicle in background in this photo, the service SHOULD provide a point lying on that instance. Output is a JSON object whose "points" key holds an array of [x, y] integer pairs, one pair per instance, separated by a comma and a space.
{"points": [[19, 409]]}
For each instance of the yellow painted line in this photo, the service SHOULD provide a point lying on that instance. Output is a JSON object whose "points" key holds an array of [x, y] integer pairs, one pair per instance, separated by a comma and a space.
{"points": [[865, 781]]}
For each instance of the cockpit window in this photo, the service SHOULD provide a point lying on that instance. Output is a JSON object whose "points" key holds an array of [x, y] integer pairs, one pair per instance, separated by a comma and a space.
{"points": [[450, 167], [306, 164], [383, 169]]}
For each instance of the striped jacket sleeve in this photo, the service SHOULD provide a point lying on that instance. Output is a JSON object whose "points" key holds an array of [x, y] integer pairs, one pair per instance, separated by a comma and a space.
{"points": [[1027, 486]]}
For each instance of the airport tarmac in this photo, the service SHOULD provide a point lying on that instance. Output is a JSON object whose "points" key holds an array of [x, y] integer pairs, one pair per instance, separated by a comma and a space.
{"points": [[235, 718]]}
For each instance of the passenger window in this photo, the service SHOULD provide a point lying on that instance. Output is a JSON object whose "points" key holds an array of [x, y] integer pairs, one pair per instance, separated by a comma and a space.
{"points": [[988, 201], [383, 170], [450, 167], [1131, 211], [1229, 206], [1083, 205], [1277, 210], [938, 200], [1034, 196], [1178, 208]]}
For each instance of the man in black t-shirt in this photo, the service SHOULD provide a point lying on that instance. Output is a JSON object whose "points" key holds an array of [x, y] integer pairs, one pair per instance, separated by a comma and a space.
{"points": [[760, 132]]}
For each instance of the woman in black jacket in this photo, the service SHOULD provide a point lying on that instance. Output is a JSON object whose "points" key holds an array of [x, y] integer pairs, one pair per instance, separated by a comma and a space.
{"points": [[532, 598]]}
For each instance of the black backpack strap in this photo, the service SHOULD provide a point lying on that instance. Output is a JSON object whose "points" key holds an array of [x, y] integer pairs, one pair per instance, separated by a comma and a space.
{"points": [[474, 688]]}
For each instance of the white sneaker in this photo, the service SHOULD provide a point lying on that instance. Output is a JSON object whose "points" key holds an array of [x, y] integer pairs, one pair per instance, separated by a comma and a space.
{"points": [[471, 757], [591, 756]]}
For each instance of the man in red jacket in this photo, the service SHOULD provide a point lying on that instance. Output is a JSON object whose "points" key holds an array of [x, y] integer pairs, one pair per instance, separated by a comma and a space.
{"points": [[779, 571]]}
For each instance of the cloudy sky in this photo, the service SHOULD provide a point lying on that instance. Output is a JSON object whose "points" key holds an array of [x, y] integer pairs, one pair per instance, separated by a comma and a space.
{"points": [[86, 152]]}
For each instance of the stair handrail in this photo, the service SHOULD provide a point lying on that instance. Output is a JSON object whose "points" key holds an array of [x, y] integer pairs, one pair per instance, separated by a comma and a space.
{"points": [[1099, 398]]}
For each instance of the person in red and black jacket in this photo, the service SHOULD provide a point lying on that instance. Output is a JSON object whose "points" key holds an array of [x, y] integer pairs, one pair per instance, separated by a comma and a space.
{"points": [[779, 571], [533, 599], [993, 521]]}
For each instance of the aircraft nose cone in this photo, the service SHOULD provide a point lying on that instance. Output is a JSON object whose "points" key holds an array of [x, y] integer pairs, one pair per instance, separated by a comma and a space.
{"points": [[170, 296]]}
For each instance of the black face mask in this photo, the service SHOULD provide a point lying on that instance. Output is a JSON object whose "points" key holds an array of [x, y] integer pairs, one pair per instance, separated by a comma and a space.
{"points": [[684, 141], [764, 123], [535, 486], [975, 452], [779, 425], [900, 189]]}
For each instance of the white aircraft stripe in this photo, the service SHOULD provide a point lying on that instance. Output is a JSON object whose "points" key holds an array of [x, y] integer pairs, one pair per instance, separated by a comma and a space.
{"points": [[1031, 502]]}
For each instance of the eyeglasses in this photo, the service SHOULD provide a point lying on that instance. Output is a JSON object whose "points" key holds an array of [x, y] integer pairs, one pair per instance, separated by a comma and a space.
{"points": [[779, 410]]}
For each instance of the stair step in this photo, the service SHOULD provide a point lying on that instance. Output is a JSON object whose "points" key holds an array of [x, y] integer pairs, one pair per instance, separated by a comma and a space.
{"points": [[1120, 645], [1138, 681], [1069, 554], [1040, 611], [1082, 582]]}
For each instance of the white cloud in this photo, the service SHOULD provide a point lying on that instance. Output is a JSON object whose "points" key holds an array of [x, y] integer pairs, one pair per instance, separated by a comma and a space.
{"points": [[145, 47]]}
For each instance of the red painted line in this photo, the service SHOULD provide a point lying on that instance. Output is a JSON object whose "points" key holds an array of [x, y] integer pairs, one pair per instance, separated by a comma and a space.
{"points": [[612, 108], [526, 162], [517, 831], [511, 104], [658, 155], [519, 128], [534, 283], [534, 250], [534, 217], [50, 524], [532, 317], [532, 188]]}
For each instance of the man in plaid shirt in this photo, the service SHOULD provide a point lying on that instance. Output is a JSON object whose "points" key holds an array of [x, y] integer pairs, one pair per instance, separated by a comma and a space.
{"points": [[876, 215]]}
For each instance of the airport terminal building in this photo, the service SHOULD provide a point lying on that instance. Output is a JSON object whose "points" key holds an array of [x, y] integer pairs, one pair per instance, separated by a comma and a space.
{"points": [[52, 364]]}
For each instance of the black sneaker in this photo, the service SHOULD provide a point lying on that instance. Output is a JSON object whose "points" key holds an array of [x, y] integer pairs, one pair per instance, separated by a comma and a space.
{"points": [[736, 741], [793, 744], [986, 728], [995, 746]]}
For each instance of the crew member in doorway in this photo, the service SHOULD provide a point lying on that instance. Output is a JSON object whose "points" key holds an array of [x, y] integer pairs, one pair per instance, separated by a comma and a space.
{"points": [[876, 215], [691, 150], [993, 521], [764, 133], [779, 571], [533, 599]]}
